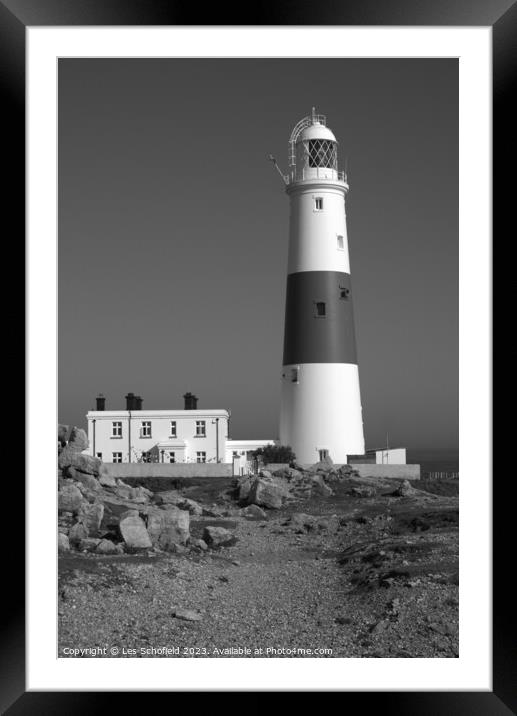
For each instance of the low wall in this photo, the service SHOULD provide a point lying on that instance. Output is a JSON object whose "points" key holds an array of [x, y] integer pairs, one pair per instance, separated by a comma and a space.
{"points": [[403, 472], [167, 469]]}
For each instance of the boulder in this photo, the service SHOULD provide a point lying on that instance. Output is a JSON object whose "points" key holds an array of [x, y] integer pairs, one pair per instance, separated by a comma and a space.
{"points": [[266, 494], [253, 512], [88, 481], [243, 489], [363, 491], [168, 527], [266, 473], [167, 497], [191, 506], [106, 546], [404, 489], [218, 536], [323, 466], [77, 533], [63, 543], [63, 433], [105, 479], [133, 530], [88, 544], [213, 511], [78, 439], [319, 487], [84, 463], [199, 544], [69, 499], [91, 517], [302, 522]]}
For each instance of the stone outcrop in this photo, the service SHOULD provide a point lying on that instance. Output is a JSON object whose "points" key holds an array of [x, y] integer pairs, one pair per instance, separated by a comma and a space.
{"points": [[69, 499], [266, 493], [133, 530], [218, 536], [169, 527]]}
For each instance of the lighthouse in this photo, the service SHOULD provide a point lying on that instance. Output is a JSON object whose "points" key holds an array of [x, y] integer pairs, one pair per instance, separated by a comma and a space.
{"points": [[321, 413]]}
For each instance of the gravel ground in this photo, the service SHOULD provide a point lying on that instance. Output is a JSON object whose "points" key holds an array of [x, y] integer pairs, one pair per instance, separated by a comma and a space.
{"points": [[382, 581]]}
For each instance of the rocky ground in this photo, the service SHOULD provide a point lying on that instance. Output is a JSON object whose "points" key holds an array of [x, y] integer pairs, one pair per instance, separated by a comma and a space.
{"points": [[316, 561]]}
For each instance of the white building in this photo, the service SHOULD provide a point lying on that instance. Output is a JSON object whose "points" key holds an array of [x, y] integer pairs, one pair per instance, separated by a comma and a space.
{"points": [[169, 436], [321, 414]]}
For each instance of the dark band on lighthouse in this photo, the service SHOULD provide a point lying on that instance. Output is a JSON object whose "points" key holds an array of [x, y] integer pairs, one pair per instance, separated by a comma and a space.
{"points": [[319, 325]]}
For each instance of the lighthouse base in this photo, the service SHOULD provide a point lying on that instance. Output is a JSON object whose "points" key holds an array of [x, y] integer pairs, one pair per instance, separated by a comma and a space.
{"points": [[321, 411]]}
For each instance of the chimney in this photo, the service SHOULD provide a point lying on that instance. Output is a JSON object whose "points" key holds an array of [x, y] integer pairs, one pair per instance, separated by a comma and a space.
{"points": [[190, 401], [101, 402], [130, 401], [138, 401]]}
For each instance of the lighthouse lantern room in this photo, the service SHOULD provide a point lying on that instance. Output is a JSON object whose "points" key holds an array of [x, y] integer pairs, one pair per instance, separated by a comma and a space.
{"points": [[320, 398]]}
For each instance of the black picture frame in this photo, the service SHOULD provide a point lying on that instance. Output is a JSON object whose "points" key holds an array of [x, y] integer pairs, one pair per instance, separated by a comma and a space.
{"points": [[501, 15]]}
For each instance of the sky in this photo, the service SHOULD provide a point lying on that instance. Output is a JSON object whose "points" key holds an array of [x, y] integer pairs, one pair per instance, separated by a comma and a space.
{"points": [[173, 234]]}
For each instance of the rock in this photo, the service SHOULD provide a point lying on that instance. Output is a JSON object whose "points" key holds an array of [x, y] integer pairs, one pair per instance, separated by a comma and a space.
{"points": [[106, 546], [77, 533], [243, 489], [91, 517], [191, 506], [199, 544], [88, 544], [363, 491], [266, 494], [84, 463], [63, 543], [78, 439], [212, 512], [69, 499], [253, 512], [187, 615], [168, 527], [133, 530], [319, 487], [167, 497], [88, 481], [265, 473], [105, 479], [323, 465], [218, 536], [63, 433], [404, 489], [302, 522]]}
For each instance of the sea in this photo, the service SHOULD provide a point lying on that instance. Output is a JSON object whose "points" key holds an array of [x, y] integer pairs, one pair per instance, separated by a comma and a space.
{"points": [[446, 460]]}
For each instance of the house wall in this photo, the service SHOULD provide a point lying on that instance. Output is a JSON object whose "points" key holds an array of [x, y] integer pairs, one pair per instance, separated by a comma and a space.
{"points": [[405, 472], [146, 470], [102, 441]]}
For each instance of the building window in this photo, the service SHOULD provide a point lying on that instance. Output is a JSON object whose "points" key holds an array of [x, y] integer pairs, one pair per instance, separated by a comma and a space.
{"points": [[323, 454], [201, 457], [173, 429], [116, 429], [172, 457], [321, 309], [117, 457], [145, 431], [318, 204], [340, 243], [200, 429], [99, 455], [235, 453]]}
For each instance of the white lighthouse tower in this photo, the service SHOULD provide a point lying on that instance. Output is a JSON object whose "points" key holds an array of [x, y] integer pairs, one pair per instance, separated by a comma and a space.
{"points": [[321, 403]]}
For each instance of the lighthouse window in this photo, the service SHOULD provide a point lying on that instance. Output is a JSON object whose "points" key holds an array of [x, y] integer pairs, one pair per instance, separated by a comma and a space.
{"points": [[294, 375], [322, 153], [344, 292], [340, 243], [318, 203], [321, 308]]}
